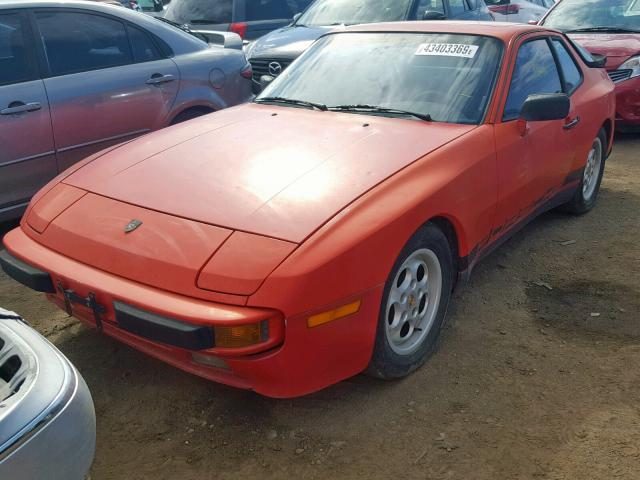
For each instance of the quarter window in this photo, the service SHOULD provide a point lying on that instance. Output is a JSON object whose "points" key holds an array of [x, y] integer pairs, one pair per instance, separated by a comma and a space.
{"points": [[535, 72], [571, 74], [77, 42], [14, 64], [143, 47]]}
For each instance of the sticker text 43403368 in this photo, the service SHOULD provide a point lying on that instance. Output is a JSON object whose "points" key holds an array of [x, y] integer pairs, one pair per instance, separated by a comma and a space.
{"points": [[447, 50]]}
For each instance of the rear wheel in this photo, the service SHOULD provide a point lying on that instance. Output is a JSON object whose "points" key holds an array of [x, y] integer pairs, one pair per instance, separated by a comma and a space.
{"points": [[586, 195], [414, 305]]}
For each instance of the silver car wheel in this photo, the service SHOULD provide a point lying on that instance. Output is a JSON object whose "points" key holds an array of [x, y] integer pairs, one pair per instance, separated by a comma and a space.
{"points": [[592, 170], [413, 301]]}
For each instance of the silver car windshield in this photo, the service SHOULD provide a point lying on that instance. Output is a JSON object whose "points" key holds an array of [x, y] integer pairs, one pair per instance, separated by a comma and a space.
{"points": [[595, 15], [442, 77], [350, 12]]}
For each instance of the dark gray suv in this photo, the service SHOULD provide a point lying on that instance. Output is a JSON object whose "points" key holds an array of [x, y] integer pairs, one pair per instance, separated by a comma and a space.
{"points": [[271, 54], [248, 18]]}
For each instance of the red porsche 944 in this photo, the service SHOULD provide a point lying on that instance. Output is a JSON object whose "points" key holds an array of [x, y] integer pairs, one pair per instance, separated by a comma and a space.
{"points": [[318, 232]]}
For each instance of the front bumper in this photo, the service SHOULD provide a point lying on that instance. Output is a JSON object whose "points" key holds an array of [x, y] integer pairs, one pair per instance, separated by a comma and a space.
{"points": [[47, 419], [299, 360]]}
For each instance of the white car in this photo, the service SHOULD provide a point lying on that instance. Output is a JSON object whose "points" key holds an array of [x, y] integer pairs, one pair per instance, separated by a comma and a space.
{"points": [[519, 11], [47, 419]]}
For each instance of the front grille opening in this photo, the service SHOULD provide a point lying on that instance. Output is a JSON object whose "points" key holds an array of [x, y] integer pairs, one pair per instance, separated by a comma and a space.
{"points": [[10, 368]]}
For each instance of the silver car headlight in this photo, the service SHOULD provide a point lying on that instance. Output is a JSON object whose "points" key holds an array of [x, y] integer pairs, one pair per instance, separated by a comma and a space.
{"points": [[632, 64]]}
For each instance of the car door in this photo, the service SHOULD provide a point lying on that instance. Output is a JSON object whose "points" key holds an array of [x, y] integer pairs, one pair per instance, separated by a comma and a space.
{"points": [[533, 158], [575, 131], [106, 82], [27, 153]]}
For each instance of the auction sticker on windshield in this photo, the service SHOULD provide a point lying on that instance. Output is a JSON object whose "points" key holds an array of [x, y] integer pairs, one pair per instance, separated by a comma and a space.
{"points": [[447, 50]]}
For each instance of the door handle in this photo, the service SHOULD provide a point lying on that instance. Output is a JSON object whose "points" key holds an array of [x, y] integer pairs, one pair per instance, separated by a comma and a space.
{"points": [[20, 107], [158, 79], [571, 124]]}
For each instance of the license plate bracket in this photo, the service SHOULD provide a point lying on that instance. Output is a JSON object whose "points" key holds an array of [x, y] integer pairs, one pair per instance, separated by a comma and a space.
{"points": [[90, 302]]}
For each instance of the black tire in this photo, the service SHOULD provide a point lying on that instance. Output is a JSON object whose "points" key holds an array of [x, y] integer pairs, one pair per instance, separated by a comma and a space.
{"points": [[581, 204], [386, 363], [189, 115]]}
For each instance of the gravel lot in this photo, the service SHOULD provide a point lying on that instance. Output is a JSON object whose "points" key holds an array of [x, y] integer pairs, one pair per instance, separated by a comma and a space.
{"points": [[536, 377]]}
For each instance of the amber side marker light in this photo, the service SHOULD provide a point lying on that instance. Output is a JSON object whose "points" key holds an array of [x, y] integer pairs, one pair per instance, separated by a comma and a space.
{"points": [[335, 314], [239, 336]]}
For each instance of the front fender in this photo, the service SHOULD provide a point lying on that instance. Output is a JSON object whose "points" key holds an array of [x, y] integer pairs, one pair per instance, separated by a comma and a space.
{"points": [[356, 249]]}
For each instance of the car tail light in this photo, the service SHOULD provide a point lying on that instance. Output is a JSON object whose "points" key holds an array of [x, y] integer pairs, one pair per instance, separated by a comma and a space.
{"points": [[247, 72], [511, 9], [239, 28]]}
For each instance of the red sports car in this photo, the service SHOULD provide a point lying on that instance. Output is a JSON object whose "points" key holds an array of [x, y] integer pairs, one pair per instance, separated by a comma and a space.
{"points": [[610, 28], [318, 232]]}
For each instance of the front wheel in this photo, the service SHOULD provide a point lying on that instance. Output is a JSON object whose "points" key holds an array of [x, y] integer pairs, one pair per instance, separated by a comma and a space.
{"points": [[414, 305], [587, 193]]}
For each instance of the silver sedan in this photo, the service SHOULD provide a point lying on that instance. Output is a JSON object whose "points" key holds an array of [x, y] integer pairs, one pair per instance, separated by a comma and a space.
{"points": [[77, 77], [47, 418]]}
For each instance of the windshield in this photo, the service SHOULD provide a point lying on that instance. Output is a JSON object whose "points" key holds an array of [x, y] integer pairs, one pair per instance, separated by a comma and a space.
{"points": [[200, 11], [349, 12], [446, 77], [595, 14]]}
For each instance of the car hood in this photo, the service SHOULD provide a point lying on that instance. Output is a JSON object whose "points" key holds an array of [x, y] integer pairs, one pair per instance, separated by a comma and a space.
{"points": [[275, 171], [618, 47], [287, 42]]}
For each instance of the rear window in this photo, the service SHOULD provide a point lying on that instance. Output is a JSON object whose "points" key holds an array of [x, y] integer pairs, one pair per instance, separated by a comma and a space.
{"points": [[273, 9], [200, 11]]}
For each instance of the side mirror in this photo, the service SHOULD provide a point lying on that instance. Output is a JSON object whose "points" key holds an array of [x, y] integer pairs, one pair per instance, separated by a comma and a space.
{"points": [[598, 61], [433, 15], [223, 39], [265, 81], [296, 17], [546, 107]]}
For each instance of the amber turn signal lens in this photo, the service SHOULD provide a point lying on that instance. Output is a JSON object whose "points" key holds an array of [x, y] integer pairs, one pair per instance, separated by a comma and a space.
{"points": [[331, 315], [241, 335]]}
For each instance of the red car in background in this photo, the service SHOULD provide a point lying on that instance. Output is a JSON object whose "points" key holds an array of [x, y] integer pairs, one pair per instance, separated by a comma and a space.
{"points": [[290, 243], [610, 28]]}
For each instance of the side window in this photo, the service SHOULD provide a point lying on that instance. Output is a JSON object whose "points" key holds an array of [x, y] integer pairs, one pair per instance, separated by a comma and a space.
{"points": [[143, 47], [457, 7], [14, 62], [78, 42], [268, 10], [429, 5], [535, 72], [570, 72]]}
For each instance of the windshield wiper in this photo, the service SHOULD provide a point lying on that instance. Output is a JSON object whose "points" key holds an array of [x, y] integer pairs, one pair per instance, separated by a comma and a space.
{"points": [[291, 101], [184, 28], [602, 29], [376, 109]]}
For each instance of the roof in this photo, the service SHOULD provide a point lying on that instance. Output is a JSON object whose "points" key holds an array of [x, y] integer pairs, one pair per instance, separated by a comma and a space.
{"points": [[7, 4], [503, 30]]}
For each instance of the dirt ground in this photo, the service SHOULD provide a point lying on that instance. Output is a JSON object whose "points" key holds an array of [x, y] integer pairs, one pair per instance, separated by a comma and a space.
{"points": [[537, 377]]}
